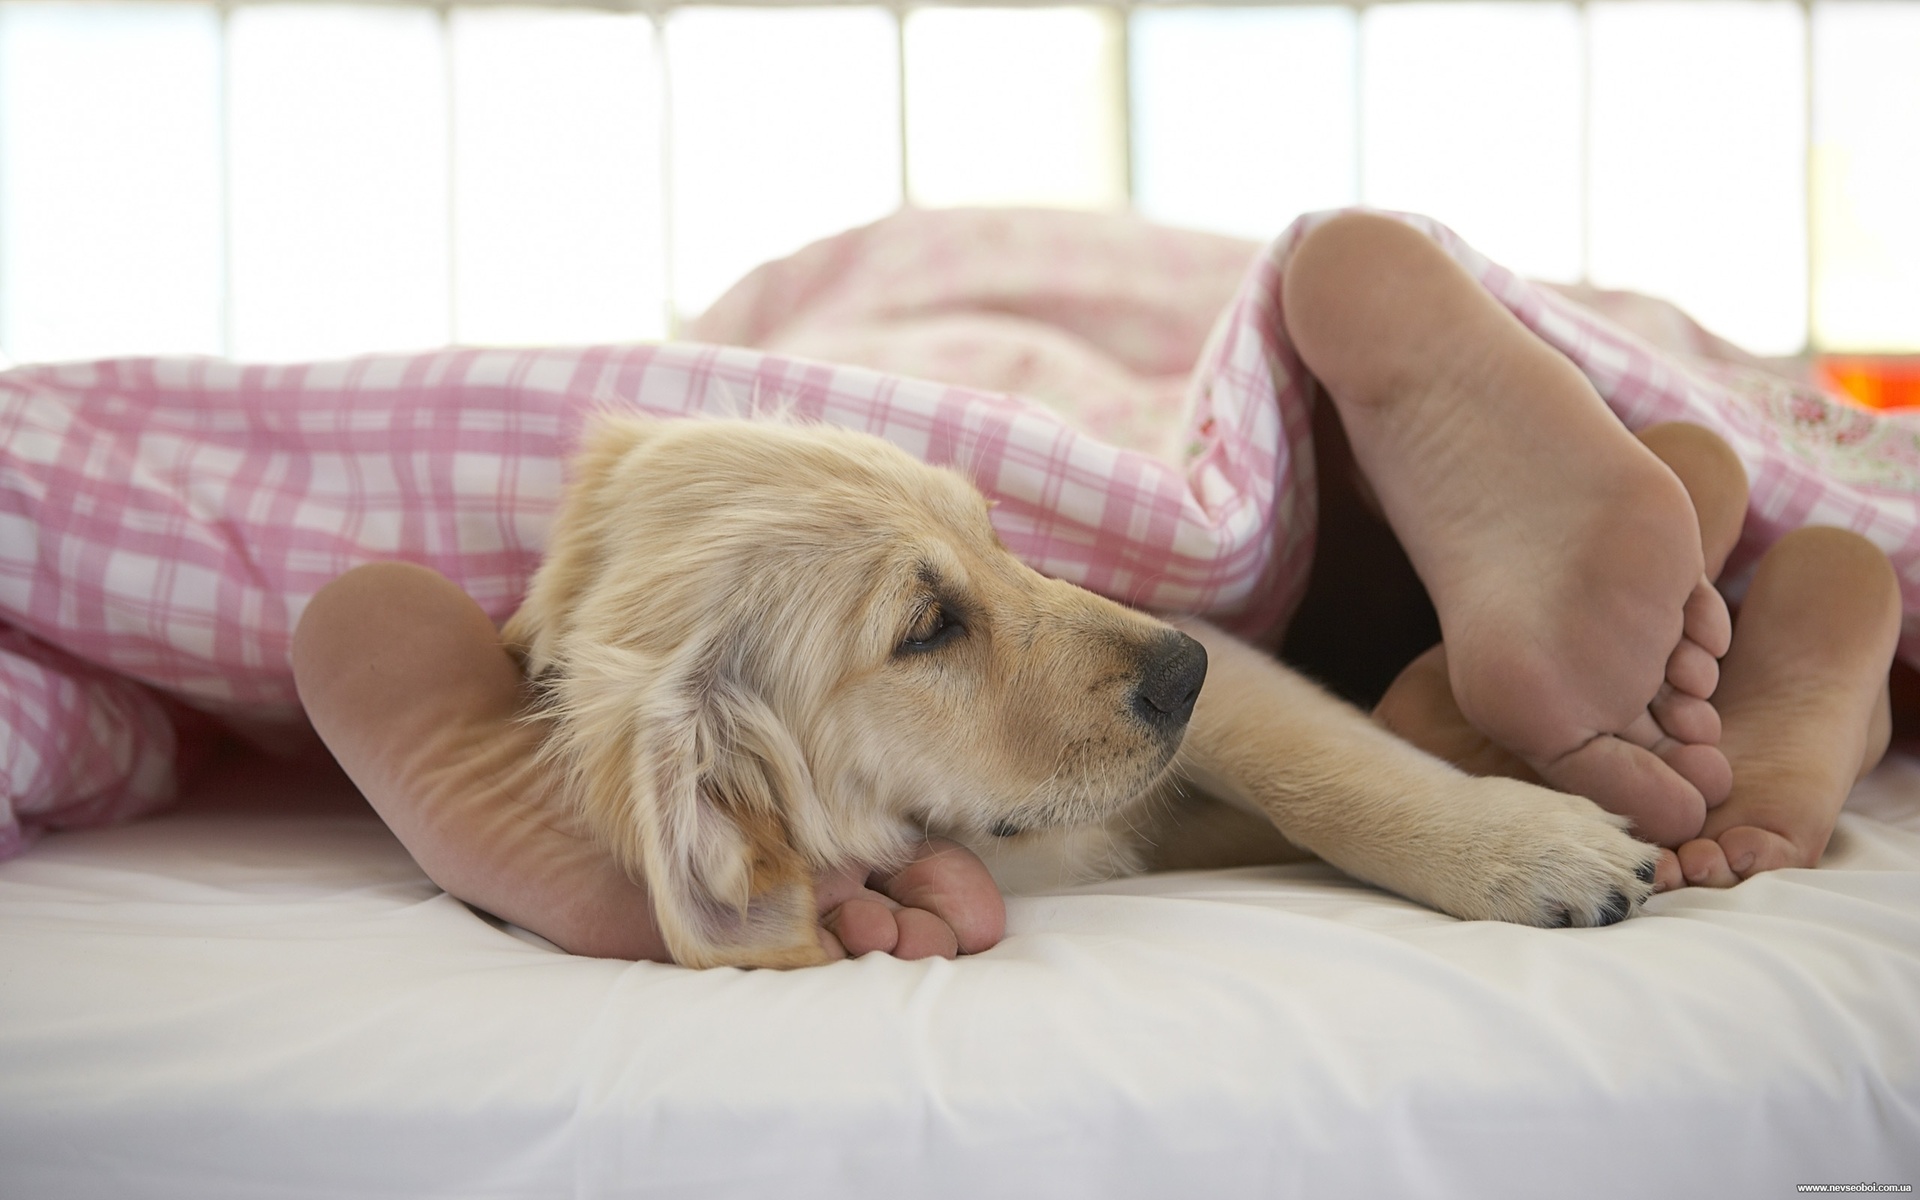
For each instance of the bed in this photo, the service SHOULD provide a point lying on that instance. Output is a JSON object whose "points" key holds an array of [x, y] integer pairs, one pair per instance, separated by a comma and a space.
{"points": [[257, 993]]}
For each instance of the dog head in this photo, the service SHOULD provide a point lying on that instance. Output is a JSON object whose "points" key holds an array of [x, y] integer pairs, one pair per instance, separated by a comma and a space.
{"points": [[768, 650]]}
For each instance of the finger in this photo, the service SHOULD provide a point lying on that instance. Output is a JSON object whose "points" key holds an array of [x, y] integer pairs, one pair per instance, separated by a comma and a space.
{"points": [[948, 880], [923, 935]]}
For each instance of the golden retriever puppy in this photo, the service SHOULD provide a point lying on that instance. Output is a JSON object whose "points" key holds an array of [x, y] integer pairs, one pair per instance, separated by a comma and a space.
{"points": [[764, 650]]}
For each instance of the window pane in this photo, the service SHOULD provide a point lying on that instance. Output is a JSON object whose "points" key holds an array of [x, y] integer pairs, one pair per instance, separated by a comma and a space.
{"points": [[786, 128], [557, 183], [339, 145], [1867, 176], [1472, 114], [1242, 117], [110, 182], [1015, 106], [1698, 177]]}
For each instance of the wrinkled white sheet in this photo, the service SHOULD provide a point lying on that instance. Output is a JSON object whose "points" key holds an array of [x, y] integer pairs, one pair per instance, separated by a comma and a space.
{"points": [[272, 1001]]}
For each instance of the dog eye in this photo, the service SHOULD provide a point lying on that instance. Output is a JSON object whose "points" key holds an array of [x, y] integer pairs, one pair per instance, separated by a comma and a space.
{"points": [[931, 628]]}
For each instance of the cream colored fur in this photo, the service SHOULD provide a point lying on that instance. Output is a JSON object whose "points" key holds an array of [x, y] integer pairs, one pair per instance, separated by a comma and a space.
{"points": [[767, 650]]}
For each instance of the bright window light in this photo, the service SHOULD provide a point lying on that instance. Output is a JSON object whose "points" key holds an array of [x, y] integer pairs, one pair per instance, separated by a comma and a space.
{"points": [[1015, 106], [1698, 162], [1866, 176], [339, 165], [556, 177], [287, 181], [1243, 118], [786, 128], [110, 185], [1471, 114]]}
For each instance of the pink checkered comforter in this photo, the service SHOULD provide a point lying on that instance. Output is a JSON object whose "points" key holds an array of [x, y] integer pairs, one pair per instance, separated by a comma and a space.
{"points": [[163, 521]]}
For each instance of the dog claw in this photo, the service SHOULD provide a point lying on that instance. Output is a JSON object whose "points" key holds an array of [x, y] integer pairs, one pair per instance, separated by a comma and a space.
{"points": [[1618, 906]]}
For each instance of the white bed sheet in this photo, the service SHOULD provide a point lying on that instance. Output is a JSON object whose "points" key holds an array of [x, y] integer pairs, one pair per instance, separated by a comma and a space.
{"points": [[272, 1001]]}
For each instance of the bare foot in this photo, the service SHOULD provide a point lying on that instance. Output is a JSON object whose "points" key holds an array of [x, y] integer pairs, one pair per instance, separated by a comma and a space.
{"points": [[1420, 707], [1803, 701], [1716, 485], [405, 679], [1563, 557]]}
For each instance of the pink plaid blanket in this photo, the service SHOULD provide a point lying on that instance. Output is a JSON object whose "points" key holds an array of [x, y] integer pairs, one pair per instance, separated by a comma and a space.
{"points": [[1126, 393]]}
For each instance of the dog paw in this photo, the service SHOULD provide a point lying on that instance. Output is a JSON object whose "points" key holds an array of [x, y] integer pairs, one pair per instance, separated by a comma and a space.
{"points": [[1545, 858]]}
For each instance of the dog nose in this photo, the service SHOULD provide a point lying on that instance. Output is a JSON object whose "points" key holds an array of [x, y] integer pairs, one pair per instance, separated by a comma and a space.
{"points": [[1170, 679]]}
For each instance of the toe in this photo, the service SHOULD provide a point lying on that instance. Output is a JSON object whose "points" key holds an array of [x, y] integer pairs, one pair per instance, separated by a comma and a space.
{"points": [[1632, 781], [1645, 732], [948, 880], [1705, 767], [1707, 622], [863, 925], [1692, 670], [923, 935], [1686, 718], [1667, 875], [1705, 865], [1750, 850]]}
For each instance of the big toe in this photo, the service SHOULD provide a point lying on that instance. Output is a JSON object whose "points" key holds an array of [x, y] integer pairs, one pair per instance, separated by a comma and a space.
{"points": [[1699, 761], [1635, 783], [1751, 849], [1704, 864]]}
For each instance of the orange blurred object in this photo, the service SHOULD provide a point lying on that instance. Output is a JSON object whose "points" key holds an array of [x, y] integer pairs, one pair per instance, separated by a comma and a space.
{"points": [[1876, 382]]}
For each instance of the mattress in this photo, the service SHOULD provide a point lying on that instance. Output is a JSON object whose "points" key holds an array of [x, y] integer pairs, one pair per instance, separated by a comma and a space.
{"points": [[259, 995]]}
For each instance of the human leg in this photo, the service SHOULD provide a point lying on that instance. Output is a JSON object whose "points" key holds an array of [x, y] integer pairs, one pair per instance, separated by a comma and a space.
{"points": [[1563, 558], [405, 679]]}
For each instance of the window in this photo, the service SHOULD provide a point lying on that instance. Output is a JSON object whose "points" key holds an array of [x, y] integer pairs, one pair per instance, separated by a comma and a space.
{"points": [[300, 180]]}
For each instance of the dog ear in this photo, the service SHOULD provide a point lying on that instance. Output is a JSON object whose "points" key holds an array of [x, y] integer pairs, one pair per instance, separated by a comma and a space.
{"points": [[688, 777], [576, 552]]}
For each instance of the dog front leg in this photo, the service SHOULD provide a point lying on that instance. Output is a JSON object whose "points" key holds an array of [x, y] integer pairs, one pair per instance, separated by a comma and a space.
{"points": [[1265, 739]]}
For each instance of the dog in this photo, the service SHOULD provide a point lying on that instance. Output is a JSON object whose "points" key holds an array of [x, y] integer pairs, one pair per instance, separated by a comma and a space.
{"points": [[764, 649]]}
